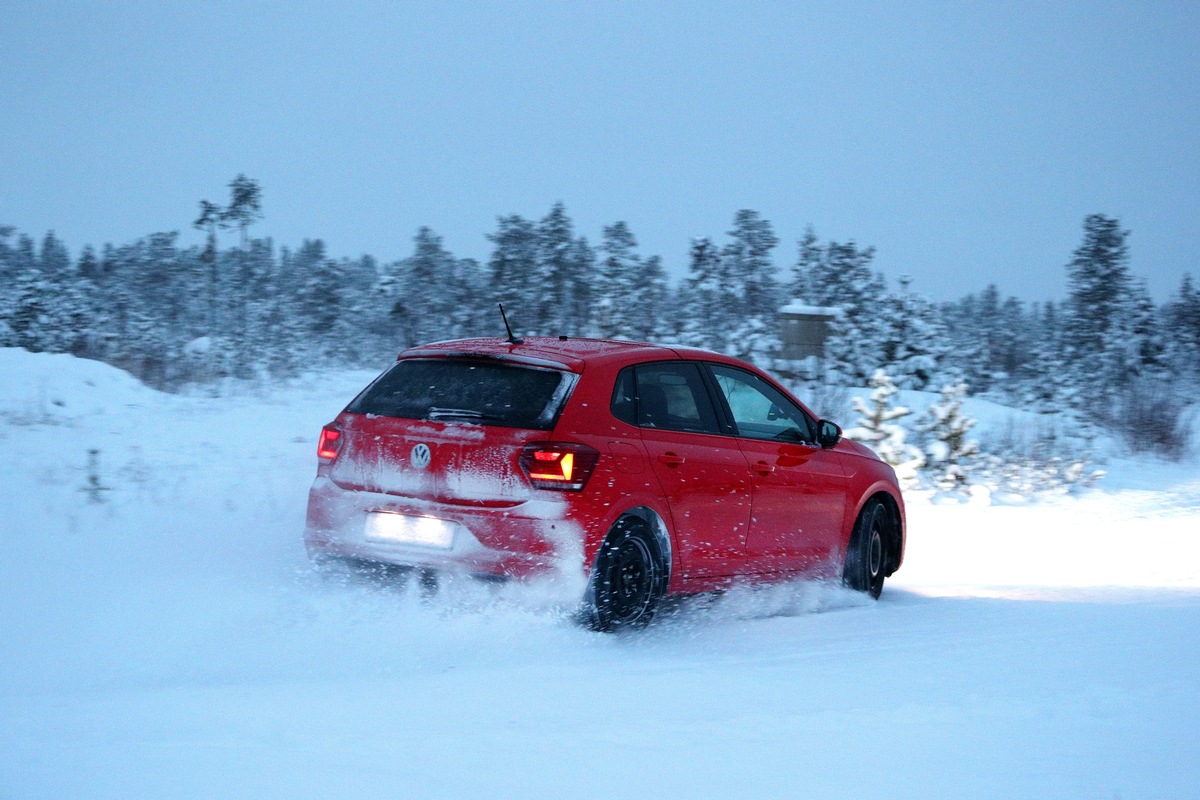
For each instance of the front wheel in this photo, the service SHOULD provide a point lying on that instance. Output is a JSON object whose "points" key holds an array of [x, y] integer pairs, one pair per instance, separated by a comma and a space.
{"points": [[866, 557], [629, 578]]}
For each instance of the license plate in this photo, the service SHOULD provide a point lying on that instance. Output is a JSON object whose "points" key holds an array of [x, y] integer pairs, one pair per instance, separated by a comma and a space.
{"points": [[410, 530]]}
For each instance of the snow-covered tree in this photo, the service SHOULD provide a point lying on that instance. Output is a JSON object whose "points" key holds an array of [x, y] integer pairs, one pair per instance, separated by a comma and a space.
{"points": [[564, 273], [949, 449], [1100, 310], [747, 263], [429, 298], [840, 275], [580, 318], [806, 269], [514, 271], [621, 282], [877, 427], [1181, 331], [1098, 280], [709, 319], [915, 339]]}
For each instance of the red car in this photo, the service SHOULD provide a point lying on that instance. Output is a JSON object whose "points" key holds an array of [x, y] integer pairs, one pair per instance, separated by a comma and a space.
{"points": [[649, 470]]}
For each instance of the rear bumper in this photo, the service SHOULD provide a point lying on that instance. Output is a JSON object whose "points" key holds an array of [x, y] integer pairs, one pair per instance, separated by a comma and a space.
{"points": [[521, 541]]}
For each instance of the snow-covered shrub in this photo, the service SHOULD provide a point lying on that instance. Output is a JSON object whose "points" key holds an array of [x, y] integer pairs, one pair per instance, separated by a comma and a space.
{"points": [[1153, 417], [949, 453], [1051, 457], [878, 428]]}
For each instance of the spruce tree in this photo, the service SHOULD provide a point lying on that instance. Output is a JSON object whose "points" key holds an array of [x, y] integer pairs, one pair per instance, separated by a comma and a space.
{"points": [[581, 317], [914, 339], [805, 272], [621, 282], [514, 272], [877, 427], [747, 260], [1181, 331], [559, 273], [949, 450], [709, 320], [1097, 307]]}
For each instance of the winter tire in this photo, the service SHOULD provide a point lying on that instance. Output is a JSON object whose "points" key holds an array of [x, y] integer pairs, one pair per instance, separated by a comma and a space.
{"points": [[629, 579], [866, 557]]}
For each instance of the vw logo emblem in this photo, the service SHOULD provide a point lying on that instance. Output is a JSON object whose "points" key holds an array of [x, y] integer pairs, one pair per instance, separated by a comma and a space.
{"points": [[420, 456]]}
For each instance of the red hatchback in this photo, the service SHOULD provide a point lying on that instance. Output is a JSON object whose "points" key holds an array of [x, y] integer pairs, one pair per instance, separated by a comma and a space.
{"points": [[648, 470]]}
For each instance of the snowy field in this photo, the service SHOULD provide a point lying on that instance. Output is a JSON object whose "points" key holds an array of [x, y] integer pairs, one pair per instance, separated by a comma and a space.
{"points": [[161, 635]]}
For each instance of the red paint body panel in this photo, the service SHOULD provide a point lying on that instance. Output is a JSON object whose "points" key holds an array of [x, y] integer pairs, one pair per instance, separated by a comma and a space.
{"points": [[725, 507]]}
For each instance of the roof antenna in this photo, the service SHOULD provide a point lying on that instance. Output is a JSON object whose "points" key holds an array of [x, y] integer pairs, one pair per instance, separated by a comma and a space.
{"points": [[511, 339]]}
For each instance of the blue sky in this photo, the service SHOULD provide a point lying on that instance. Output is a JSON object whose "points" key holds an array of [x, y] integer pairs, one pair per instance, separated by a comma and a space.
{"points": [[965, 141]]}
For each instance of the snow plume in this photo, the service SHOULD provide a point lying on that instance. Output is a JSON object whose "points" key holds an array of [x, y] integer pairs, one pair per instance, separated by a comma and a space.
{"points": [[878, 428]]}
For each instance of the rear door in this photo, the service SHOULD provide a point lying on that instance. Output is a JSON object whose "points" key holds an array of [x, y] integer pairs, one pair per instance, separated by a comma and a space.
{"points": [[799, 489], [702, 473]]}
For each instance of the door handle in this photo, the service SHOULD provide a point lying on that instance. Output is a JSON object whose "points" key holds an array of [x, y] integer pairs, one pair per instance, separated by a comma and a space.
{"points": [[671, 459], [763, 468]]}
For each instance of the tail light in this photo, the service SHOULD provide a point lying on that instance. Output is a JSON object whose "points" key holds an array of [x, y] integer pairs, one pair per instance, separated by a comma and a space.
{"points": [[330, 443], [565, 466]]}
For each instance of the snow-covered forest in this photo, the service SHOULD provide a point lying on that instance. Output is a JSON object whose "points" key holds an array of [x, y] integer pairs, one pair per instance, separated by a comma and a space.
{"points": [[239, 306]]}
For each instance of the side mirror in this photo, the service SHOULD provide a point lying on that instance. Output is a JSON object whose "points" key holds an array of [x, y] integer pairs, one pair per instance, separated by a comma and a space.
{"points": [[828, 433]]}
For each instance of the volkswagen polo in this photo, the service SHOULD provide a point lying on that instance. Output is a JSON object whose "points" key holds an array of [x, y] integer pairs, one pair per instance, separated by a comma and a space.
{"points": [[647, 470]]}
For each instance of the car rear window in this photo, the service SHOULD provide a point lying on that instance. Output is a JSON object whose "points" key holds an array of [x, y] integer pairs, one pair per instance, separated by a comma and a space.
{"points": [[470, 391]]}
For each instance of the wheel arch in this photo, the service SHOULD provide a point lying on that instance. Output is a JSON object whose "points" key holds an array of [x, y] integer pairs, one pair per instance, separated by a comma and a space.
{"points": [[662, 534], [895, 550]]}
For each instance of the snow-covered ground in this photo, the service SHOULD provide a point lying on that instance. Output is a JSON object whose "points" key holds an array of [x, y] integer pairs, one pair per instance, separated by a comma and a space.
{"points": [[161, 635]]}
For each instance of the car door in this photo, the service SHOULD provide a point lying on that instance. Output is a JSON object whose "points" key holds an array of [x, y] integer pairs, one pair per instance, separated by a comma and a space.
{"points": [[703, 473], [798, 489]]}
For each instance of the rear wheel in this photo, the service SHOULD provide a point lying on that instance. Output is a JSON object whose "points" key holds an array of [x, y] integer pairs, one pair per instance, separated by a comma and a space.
{"points": [[629, 579], [866, 557]]}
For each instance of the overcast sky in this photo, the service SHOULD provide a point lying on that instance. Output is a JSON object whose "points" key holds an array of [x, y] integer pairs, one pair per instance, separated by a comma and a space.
{"points": [[966, 142]]}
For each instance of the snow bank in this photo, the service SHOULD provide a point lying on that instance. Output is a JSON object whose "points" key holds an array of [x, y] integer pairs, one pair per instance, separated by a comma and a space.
{"points": [[43, 388]]}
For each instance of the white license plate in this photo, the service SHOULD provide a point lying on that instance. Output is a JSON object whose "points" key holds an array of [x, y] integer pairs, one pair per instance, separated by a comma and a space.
{"points": [[410, 530]]}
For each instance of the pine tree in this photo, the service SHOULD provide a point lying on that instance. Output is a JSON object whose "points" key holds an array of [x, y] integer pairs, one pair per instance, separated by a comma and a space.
{"points": [[949, 451], [709, 322], [244, 209], [318, 302], [580, 319], [841, 277], [914, 341], [8, 277], [562, 273], [28, 297], [49, 313], [1181, 331], [429, 284], [514, 272], [469, 315], [208, 220], [748, 264], [649, 301], [878, 428], [805, 272], [621, 279], [1049, 387], [1098, 278]]}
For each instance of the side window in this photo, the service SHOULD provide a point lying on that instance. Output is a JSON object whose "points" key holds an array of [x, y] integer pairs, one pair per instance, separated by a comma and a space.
{"points": [[667, 396], [624, 401], [760, 411]]}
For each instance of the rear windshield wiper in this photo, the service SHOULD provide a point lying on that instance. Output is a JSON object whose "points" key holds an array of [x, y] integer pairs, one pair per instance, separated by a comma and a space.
{"points": [[460, 413]]}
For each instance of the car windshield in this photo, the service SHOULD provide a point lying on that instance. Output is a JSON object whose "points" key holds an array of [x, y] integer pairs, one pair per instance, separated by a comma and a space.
{"points": [[469, 391]]}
